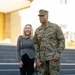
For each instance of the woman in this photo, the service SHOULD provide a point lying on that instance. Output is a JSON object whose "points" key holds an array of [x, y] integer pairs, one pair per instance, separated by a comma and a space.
{"points": [[25, 51]]}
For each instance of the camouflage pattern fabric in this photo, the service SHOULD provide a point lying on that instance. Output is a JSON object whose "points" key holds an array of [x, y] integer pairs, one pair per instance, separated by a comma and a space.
{"points": [[50, 68], [49, 40]]}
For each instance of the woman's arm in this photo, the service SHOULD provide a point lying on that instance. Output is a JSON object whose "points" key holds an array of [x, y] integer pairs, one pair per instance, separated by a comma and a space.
{"points": [[18, 48]]}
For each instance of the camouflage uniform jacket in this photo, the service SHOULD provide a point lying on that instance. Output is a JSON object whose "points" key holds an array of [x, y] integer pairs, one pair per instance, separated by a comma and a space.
{"points": [[48, 41]]}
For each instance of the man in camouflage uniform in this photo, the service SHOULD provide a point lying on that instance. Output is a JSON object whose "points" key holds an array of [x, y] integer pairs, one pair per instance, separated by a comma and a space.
{"points": [[49, 43]]}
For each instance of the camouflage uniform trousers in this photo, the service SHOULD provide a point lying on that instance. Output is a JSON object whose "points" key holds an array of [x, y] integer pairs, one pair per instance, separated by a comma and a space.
{"points": [[50, 68]]}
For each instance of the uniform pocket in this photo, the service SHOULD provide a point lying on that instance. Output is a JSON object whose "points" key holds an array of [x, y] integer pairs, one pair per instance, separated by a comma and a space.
{"points": [[49, 56]]}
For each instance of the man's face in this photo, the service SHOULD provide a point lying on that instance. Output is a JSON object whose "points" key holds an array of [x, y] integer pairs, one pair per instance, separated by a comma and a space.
{"points": [[43, 18]]}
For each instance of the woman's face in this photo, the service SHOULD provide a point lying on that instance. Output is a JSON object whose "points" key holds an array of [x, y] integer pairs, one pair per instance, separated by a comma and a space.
{"points": [[27, 30]]}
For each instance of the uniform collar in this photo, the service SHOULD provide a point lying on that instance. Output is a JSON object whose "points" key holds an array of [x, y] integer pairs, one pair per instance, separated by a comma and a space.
{"points": [[48, 25]]}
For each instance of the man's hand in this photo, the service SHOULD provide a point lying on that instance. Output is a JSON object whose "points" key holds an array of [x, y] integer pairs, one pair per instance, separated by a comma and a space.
{"points": [[56, 56], [38, 62], [20, 64]]}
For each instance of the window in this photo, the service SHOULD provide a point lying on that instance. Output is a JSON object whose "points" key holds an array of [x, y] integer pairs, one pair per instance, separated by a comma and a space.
{"points": [[63, 1]]}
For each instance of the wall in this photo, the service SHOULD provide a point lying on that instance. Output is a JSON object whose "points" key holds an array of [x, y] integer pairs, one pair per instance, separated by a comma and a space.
{"points": [[7, 26], [15, 26], [1, 25]]}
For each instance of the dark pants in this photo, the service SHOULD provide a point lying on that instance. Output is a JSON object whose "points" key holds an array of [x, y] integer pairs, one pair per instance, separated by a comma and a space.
{"points": [[28, 65]]}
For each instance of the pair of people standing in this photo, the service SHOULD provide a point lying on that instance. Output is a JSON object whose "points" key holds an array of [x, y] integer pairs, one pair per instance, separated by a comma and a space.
{"points": [[46, 46]]}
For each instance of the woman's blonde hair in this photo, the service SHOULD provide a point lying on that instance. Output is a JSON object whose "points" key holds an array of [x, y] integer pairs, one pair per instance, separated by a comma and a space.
{"points": [[31, 34]]}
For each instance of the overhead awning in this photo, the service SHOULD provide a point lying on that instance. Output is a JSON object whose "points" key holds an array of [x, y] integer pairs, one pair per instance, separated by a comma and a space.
{"points": [[13, 5]]}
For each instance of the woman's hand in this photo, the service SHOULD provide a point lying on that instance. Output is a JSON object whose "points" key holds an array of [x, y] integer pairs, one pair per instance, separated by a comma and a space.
{"points": [[34, 65], [20, 64]]}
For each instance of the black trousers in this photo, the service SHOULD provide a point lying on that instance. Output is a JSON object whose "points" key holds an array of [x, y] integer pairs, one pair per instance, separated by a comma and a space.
{"points": [[28, 65]]}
